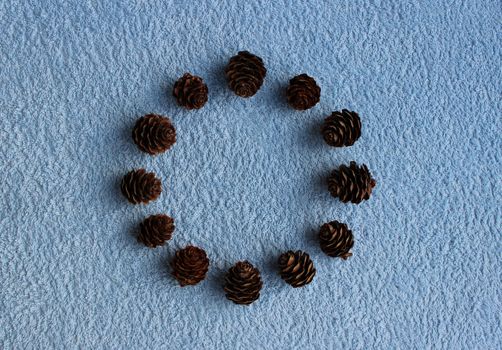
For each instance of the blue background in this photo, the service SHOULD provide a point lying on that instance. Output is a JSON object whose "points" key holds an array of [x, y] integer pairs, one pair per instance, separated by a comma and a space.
{"points": [[246, 179]]}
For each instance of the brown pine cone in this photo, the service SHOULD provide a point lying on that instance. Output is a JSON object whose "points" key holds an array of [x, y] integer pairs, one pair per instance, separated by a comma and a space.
{"points": [[155, 230], [190, 91], [245, 73], [139, 186], [303, 92], [190, 265], [154, 134], [336, 239], [341, 128], [243, 283], [296, 268], [351, 183]]}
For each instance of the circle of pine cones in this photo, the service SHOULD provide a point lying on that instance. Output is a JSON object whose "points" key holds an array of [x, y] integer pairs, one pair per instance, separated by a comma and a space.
{"points": [[155, 134]]}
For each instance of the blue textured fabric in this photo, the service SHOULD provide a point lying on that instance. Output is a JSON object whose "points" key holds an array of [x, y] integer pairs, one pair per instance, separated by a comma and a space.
{"points": [[246, 179]]}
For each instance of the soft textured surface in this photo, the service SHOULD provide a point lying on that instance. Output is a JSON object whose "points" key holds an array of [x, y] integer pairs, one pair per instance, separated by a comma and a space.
{"points": [[246, 179]]}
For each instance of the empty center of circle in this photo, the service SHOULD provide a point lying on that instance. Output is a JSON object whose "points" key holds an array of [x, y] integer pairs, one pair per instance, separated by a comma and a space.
{"points": [[237, 169]]}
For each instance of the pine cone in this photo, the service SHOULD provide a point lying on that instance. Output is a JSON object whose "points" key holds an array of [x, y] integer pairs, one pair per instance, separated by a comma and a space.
{"points": [[341, 128], [138, 186], [243, 283], [351, 183], [245, 73], [336, 239], [154, 134], [303, 92], [190, 91], [155, 230], [190, 265], [296, 268]]}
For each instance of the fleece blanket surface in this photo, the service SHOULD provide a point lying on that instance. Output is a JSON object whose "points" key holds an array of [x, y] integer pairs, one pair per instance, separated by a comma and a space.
{"points": [[246, 179]]}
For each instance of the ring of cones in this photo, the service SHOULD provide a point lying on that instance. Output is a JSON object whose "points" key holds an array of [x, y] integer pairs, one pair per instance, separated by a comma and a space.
{"points": [[155, 134]]}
